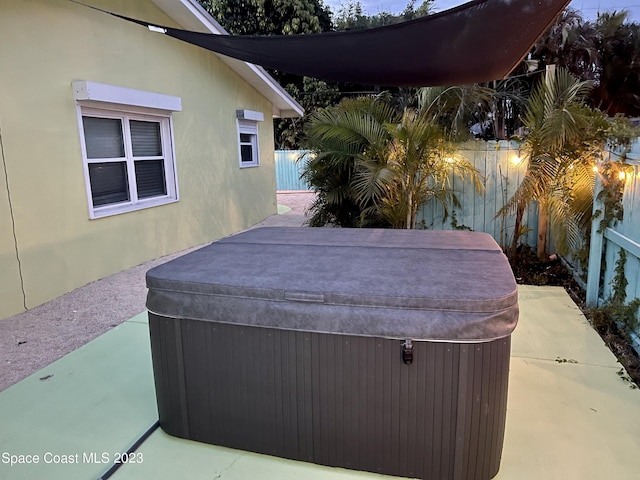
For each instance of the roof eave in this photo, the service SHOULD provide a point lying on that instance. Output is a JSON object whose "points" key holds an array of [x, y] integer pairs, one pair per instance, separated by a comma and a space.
{"points": [[190, 15]]}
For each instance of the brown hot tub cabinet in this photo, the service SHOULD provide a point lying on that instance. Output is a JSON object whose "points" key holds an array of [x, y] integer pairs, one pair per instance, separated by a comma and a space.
{"points": [[378, 350]]}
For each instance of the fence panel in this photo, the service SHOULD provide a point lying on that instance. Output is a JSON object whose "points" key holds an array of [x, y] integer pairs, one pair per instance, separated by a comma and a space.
{"points": [[289, 165], [497, 163], [606, 246], [502, 171], [624, 235]]}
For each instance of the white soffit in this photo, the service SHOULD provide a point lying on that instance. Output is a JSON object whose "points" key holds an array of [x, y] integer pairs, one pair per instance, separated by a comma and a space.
{"points": [[190, 15]]}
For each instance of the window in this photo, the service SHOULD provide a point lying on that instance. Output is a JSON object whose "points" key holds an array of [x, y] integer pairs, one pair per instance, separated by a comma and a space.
{"points": [[127, 147], [248, 131], [248, 137], [129, 161]]}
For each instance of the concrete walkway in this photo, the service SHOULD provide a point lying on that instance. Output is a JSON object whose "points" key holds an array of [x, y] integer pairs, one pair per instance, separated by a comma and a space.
{"points": [[571, 415], [33, 339]]}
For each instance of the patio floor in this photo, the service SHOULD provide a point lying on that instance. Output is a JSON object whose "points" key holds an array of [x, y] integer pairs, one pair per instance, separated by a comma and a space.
{"points": [[570, 414]]}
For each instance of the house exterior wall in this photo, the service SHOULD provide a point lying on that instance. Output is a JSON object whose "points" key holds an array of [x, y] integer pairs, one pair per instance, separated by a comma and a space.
{"points": [[44, 46], [10, 290]]}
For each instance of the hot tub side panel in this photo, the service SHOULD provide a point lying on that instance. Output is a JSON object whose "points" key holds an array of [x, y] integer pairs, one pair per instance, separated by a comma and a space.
{"points": [[337, 400], [168, 371]]}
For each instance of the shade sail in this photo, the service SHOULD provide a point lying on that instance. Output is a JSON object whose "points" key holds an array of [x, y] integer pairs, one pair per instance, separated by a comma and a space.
{"points": [[479, 41]]}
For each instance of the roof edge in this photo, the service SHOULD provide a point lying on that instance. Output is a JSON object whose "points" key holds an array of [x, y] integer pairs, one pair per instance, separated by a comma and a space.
{"points": [[190, 15]]}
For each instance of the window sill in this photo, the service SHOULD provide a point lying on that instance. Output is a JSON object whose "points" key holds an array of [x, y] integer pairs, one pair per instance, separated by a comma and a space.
{"points": [[111, 210]]}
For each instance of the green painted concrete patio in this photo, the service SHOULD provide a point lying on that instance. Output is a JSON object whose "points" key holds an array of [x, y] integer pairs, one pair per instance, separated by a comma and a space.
{"points": [[570, 413]]}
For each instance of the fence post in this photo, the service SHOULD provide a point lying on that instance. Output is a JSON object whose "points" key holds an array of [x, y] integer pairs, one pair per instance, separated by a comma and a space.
{"points": [[595, 247]]}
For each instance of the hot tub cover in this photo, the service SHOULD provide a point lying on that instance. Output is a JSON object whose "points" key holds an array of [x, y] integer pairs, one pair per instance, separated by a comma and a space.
{"points": [[421, 285]]}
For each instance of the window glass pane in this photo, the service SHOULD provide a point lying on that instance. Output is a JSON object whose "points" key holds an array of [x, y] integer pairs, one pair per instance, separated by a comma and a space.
{"points": [[245, 137], [150, 178], [145, 138], [246, 152], [103, 137], [108, 183]]}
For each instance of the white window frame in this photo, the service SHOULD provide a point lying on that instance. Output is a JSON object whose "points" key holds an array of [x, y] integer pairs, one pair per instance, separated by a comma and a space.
{"points": [[247, 121], [127, 104], [249, 127]]}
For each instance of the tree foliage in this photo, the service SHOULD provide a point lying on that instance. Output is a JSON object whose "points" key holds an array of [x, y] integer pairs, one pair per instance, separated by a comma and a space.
{"points": [[270, 17], [281, 17], [606, 52], [339, 136], [352, 15], [565, 138], [285, 17], [377, 166], [456, 108], [618, 84]]}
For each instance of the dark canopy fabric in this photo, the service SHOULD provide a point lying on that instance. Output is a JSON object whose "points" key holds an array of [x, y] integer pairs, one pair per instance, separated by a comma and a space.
{"points": [[479, 41]]}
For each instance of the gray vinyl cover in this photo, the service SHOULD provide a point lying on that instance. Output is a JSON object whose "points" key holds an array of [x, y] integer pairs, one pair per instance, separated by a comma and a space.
{"points": [[452, 286]]}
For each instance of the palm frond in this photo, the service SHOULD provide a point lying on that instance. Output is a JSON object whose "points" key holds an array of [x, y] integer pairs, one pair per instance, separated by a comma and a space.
{"points": [[371, 181], [452, 107]]}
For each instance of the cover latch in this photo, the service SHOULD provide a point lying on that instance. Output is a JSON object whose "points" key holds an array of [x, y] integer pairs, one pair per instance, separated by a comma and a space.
{"points": [[407, 352]]}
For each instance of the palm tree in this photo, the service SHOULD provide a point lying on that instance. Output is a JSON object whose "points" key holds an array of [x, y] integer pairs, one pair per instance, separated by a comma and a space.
{"points": [[341, 138], [455, 108], [618, 74], [564, 139], [391, 163], [606, 51], [570, 43], [417, 167]]}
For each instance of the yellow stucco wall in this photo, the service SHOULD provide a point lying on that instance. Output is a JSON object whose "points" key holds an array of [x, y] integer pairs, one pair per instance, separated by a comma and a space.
{"points": [[10, 288], [44, 46]]}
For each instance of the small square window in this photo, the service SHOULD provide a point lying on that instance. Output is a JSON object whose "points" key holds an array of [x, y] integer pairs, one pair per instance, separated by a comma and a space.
{"points": [[248, 139]]}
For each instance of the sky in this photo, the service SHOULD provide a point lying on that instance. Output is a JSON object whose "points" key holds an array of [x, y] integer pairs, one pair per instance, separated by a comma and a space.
{"points": [[589, 8]]}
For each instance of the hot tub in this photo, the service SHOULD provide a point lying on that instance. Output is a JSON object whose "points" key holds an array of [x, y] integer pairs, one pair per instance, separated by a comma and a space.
{"points": [[377, 350]]}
